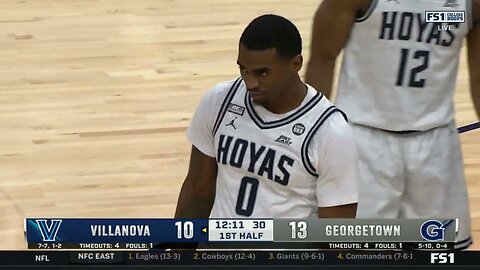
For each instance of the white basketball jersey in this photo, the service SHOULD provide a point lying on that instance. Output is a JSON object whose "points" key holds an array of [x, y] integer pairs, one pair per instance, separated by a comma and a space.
{"points": [[264, 168], [398, 71]]}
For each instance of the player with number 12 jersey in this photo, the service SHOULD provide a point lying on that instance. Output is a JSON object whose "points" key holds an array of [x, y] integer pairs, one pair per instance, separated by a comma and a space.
{"points": [[396, 85], [415, 66]]}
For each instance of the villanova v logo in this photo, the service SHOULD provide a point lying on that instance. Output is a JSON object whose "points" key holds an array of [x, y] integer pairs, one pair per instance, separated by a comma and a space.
{"points": [[49, 232]]}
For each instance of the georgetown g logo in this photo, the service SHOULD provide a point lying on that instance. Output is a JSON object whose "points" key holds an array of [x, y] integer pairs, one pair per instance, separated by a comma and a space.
{"points": [[49, 232], [434, 230]]}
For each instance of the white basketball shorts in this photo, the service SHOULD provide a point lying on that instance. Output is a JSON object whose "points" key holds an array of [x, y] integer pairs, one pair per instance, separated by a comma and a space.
{"points": [[414, 175]]}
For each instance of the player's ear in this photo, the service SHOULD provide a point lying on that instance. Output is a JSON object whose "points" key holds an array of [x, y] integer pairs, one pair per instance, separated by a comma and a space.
{"points": [[296, 63]]}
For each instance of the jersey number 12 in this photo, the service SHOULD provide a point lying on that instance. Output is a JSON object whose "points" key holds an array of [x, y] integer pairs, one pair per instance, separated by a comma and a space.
{"points": [[413, 80]]}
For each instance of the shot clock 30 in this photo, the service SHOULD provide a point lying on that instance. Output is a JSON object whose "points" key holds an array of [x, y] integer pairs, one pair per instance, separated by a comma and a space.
{"points": [[240, 230]]}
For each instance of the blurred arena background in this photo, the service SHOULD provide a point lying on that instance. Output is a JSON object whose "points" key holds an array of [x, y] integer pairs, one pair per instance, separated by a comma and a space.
{"points": [[96, 96]]}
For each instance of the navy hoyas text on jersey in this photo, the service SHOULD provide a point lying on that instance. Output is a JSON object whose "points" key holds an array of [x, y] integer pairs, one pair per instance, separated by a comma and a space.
{"points": [[399, 26], [231, 151]]}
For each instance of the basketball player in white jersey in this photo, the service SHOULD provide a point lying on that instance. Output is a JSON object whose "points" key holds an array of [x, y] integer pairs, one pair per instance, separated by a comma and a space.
{"points": [[266, 144], [396, 86]]}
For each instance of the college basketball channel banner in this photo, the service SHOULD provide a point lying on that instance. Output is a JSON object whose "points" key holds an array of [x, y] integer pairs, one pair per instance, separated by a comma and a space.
{"points": [[63, 230]]}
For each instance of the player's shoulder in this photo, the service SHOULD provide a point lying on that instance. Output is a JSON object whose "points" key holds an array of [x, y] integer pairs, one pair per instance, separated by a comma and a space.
{"points": [[325, 107], [334, 130], [333, 120], [337, 120], [216, 95], [214, 98]]}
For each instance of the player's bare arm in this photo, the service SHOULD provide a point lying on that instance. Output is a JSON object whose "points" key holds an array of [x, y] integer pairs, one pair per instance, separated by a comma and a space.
{"points": [[198, 190], [331, 28], [473, 46], [340, 211]]}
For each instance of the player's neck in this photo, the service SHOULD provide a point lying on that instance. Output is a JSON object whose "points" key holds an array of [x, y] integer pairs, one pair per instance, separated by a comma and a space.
{"points": [[292, 97]]}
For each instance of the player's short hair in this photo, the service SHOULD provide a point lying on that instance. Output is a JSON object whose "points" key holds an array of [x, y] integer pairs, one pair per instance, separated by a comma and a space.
{"points": [[273, 31]]}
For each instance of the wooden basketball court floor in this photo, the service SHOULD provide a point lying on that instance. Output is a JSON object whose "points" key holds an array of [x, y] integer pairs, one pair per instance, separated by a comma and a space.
{"points": [[96, 96]]}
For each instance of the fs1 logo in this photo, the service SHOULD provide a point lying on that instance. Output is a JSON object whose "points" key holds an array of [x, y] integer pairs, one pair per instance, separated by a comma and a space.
{"points": [[49, 232], [442, 257], [434, 230], [444, 16]]}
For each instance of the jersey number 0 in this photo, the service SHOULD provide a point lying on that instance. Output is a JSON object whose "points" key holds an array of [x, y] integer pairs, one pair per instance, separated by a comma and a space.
{"points": [[247, 196]]}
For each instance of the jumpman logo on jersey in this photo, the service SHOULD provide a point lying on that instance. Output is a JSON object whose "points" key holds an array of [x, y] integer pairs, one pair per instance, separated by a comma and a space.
{"points": [[231, 123]]}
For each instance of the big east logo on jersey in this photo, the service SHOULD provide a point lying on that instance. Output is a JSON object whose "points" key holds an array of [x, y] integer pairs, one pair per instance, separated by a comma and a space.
{"points": [[262, 160]]}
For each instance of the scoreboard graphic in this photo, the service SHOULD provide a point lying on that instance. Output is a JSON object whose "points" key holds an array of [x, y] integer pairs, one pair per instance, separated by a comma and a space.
{"points": [[145, 234]]}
